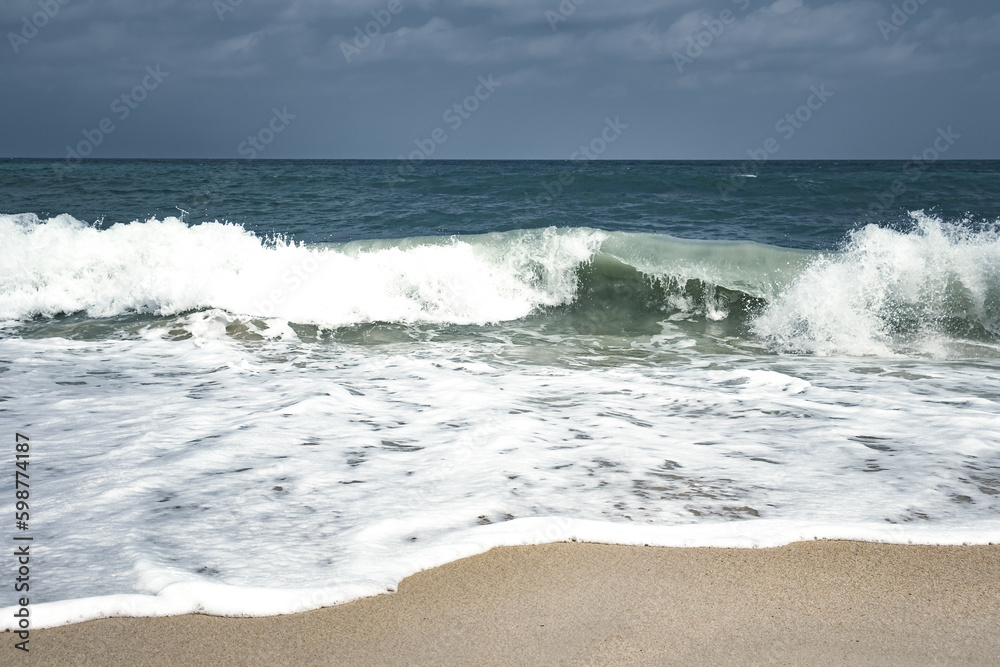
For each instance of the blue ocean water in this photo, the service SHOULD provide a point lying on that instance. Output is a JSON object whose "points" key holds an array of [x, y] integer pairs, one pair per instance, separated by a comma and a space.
{"points": [[261, 387], [797, 204]]}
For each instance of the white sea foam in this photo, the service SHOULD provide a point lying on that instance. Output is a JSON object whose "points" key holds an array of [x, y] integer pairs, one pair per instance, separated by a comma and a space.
{"points": [[63, 265], [223, 459], [200, 597], [892, 291], [211, 474], [888, 291]]}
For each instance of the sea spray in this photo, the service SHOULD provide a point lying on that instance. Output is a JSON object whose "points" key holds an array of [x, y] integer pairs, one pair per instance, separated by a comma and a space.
{"points": [[890, 291], [447, 368]]}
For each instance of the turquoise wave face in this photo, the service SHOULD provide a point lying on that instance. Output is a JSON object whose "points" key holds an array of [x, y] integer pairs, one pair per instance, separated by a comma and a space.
{"points": [[931, 290]]}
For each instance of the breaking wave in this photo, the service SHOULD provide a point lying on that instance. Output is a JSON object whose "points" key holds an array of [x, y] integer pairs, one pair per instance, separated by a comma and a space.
{"points": [[886, 291]]}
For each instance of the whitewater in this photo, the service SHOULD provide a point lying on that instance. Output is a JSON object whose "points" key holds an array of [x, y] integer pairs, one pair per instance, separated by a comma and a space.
{"points": [[239, 423], [935, 285]]}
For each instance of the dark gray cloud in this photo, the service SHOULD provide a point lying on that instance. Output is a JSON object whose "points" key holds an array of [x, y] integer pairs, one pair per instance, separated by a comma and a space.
{"points": [[689, 79]]}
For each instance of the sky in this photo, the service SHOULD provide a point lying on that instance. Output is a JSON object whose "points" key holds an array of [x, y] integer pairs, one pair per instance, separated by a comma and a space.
{"points": [[500, 79]]}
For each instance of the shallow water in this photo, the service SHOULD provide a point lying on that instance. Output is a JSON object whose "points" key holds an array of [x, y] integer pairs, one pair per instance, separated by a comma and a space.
{"points": [[320, 399]]}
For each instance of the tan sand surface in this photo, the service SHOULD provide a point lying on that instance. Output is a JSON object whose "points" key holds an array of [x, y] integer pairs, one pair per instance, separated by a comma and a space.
{"points": [[836, 603]]}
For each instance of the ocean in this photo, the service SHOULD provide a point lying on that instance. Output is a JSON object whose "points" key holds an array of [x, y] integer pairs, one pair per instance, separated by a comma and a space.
{"points": [[262, 387]]}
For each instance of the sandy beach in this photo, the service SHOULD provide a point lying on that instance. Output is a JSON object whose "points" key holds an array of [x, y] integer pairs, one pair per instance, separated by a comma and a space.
{"points": [[590, 604]]}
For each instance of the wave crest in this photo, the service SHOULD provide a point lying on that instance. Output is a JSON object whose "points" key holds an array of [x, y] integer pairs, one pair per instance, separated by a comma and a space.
{"points": [[888, 291], [166, 266]]}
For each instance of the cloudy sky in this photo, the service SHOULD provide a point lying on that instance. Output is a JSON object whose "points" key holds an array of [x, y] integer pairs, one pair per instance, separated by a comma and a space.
{"points": [[679, 79]]}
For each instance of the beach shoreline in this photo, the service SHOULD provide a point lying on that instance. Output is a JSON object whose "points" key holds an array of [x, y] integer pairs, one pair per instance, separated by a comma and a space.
{"points": [[830, 602]]}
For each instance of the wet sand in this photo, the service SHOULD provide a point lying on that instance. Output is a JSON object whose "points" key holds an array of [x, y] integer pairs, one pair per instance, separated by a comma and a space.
{"points": [[590, 604]]}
